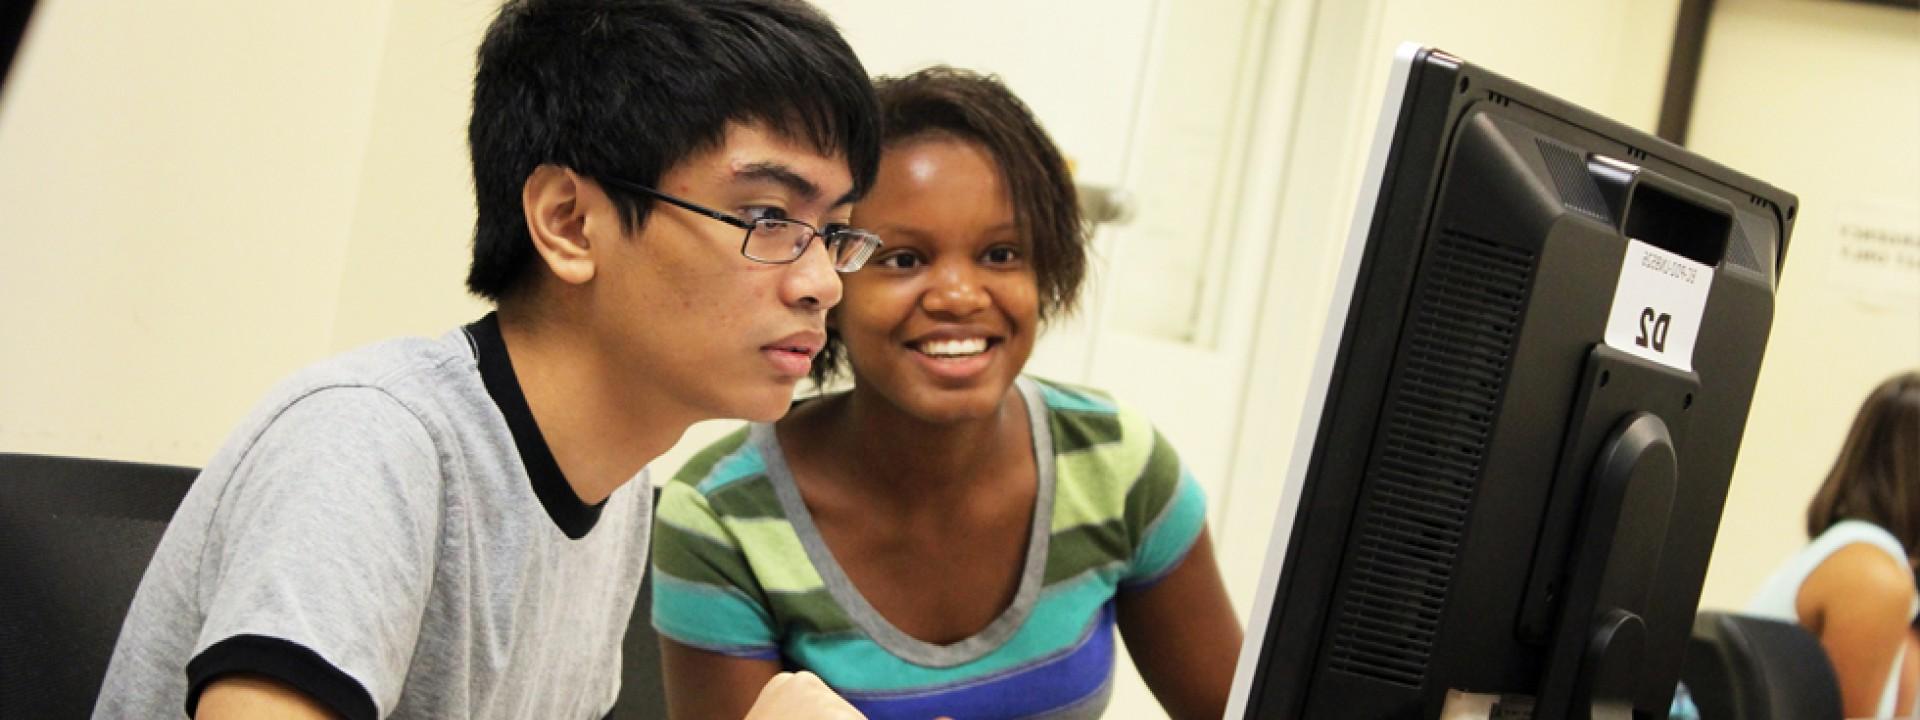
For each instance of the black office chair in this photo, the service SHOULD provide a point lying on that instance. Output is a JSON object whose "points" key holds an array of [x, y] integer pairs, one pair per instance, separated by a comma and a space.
{"points": [[1740, 667], [75, 538], [642, 694]]}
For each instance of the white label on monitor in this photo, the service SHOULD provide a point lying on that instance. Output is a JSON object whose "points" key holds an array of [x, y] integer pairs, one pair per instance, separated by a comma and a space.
{"points": [[1657, 306]]}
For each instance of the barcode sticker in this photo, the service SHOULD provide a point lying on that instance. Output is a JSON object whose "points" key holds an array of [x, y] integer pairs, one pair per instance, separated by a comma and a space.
{"points": [[1658, 305]]}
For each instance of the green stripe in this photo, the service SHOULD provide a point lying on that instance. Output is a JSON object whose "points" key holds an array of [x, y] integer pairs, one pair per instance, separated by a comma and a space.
{"points": [[684, 508], [855, 664], [747, 497], [709, 617], [1083, 548], [702, 462], [814, 612], [1075, 432], [693, 558], [1091, 486], [1158, 479], [778, 558], [1172, 535]]}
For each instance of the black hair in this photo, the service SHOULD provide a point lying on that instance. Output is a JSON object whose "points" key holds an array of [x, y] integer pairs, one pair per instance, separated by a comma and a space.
{"points": [[630, 88], [976, 108]]}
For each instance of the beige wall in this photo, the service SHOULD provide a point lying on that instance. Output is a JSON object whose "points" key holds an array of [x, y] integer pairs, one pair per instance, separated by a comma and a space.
{"points": [[177, 181], [1610, 57], [1822, 99], [412, 231]]}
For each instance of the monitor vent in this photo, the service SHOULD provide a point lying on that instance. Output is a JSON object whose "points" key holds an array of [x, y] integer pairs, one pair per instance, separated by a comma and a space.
{"points": [[1439, 416], [1740, 249], [1577, 191]]}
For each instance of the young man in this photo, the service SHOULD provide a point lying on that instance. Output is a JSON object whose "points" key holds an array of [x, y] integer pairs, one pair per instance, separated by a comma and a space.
{"points": [[457, 528]]}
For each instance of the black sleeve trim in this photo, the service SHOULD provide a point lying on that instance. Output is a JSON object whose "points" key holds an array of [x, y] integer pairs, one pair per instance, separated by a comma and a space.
{"points": [[285, 661]]}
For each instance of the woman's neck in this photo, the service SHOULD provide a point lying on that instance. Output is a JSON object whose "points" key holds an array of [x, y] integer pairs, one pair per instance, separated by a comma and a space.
{"points": [[890, 455]]}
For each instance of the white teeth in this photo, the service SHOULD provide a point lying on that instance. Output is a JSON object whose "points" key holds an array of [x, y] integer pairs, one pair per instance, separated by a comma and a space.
{"points": [[954, 348]]}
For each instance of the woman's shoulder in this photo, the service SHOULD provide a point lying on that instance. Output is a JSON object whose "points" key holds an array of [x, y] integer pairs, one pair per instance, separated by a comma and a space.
{"points": [[1849, 533], [718, 463], [1101, 440], [1069, 397], [1859, 574], [1070, 402]]}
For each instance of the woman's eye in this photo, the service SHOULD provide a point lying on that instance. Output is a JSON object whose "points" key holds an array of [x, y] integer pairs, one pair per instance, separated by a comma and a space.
{"points": [[1002, 255], [898, 261], [763, 212]]}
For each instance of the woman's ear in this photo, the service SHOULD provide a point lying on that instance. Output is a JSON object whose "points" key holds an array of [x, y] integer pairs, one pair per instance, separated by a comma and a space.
{"points": [[557, 221]]}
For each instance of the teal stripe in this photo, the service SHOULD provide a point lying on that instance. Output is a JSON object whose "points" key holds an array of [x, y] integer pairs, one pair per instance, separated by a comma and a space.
{"points": [[1173, 533], [708, 616], [742, 464], [1061, 399], [852, 663]]}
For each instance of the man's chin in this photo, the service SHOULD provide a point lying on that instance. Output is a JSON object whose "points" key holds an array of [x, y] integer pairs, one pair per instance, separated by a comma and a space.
{"points": [[770, 406]]}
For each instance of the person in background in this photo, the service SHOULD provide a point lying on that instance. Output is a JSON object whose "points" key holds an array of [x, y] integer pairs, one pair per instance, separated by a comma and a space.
{"points": [[1853, 586], [952, 536], [457, 527]]}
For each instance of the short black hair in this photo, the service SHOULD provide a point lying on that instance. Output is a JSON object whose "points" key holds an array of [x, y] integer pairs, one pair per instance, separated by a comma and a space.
{"points": [[971, 107], [630, 88]]}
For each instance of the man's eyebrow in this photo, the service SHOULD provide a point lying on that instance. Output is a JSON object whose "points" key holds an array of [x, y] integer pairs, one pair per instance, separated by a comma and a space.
{"points": [[782, 175]]}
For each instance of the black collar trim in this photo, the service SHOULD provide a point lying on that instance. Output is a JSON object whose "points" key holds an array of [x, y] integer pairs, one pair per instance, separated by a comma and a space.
{"points": [[574, 517]]}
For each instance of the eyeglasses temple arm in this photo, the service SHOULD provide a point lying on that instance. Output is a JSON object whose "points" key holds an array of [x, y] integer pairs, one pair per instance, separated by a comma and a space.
{"points": [[677, 202]]}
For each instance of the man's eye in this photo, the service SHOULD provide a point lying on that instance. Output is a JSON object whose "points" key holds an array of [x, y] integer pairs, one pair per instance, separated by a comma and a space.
{"points": [[763, 212]]}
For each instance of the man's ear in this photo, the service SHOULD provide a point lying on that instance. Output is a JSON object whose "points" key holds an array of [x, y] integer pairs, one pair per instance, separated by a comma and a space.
{"points": [[554, 199]]}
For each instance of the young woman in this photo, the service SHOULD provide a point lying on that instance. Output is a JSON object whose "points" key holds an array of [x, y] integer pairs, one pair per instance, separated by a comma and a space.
{"points": [[950, 537], [1853, 586]]}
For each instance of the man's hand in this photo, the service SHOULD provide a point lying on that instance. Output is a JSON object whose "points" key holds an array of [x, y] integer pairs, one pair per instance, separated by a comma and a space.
{"points": [[803, 696]]}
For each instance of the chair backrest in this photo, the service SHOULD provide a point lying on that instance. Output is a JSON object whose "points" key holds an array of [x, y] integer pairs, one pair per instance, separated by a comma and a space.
{"points": [[76, 535], [75, 538], [1740, 667], [642, 694]]}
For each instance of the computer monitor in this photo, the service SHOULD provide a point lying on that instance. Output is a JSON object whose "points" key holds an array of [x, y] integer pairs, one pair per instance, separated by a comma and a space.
{"points": [[13, 26], [1537, 368]]}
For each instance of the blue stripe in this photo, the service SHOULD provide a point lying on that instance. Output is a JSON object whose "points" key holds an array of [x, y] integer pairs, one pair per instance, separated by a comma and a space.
{"points": [[1059, 620], [720, 619], [737, 465], [1063, 399], [1036, 689]]}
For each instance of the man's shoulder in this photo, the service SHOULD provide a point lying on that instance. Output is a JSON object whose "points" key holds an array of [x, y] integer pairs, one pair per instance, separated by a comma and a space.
{"points": [[398, 364], [417, 382], [413, 371]]}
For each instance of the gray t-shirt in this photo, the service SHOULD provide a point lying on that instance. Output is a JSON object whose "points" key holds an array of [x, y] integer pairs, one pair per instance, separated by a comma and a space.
{"points": [[389, 534]]}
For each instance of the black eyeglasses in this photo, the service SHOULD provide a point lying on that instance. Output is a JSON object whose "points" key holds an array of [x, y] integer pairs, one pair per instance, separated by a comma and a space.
{"points": [[776, 241]]}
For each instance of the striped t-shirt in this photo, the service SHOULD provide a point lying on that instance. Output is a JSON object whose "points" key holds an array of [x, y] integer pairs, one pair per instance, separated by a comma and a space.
{"points": [[741, 569]]}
